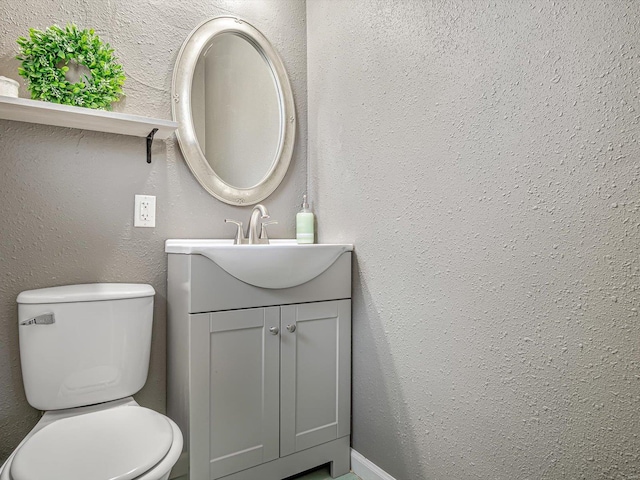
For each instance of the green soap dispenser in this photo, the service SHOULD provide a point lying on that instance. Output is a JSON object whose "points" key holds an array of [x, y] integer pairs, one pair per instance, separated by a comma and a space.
{"points": [[305, 223]]}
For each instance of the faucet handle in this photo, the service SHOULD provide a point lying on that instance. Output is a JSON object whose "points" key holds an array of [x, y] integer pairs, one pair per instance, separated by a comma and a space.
{"points": [[263, 230], [239, 240]]}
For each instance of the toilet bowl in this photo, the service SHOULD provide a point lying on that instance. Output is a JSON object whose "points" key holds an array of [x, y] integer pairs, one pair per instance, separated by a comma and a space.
{"points": [[114, 440], [84, 350]]}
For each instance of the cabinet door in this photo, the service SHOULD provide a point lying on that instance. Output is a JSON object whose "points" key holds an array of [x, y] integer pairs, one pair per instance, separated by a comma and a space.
{"points": [[315, 374], [235, 388]]}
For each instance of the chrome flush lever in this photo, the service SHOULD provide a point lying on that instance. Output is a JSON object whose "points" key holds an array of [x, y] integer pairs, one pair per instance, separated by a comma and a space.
{"points": [[44, 319]]}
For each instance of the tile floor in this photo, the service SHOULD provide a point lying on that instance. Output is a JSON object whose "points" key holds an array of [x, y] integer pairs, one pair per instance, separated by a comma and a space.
{"points": [[322, 474]]}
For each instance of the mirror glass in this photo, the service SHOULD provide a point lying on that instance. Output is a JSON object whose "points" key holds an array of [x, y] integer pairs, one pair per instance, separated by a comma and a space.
{"points": [[234, 98], [234, 105]]}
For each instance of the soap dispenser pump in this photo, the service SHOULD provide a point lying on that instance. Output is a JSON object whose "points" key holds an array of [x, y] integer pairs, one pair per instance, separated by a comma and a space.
{"points": [[305, 223]]}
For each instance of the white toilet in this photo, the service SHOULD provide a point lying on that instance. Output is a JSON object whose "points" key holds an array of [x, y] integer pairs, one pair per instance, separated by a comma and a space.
{"points": [[84, 351]]}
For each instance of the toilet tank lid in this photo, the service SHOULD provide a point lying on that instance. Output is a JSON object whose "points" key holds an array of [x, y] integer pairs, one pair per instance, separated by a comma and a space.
{"points": [[89, 292]]}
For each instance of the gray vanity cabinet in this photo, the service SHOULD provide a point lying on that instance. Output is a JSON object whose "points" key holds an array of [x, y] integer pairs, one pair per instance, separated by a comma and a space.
{"points": [[263, 392]]}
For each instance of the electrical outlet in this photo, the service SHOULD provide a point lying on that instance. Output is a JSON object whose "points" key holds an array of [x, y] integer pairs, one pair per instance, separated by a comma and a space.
{"points": [[144, 212]]}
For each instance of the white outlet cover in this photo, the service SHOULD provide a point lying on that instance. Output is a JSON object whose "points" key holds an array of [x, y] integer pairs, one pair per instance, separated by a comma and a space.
{"points": [[144, 212]]}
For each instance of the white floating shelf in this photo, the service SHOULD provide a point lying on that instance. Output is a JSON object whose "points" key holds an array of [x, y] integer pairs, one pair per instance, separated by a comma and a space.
{"points": [[46, 113]]}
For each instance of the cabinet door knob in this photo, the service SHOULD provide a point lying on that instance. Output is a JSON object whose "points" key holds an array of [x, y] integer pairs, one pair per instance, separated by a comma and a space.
{"points": [[274, 330], [291, 328]]}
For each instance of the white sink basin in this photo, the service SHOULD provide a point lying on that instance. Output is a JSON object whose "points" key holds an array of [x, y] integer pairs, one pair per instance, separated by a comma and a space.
{"points": [[282, 264]]}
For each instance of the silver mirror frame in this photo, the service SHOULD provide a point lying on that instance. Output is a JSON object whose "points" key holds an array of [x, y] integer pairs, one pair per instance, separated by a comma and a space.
{"points": [[183, 73]]}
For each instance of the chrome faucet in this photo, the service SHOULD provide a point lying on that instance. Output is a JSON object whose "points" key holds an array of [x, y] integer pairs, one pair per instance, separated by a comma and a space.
{"points": [[258, 214]]}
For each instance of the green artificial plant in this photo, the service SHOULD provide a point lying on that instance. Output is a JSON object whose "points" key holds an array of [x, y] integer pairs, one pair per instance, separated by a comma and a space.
{"points": [[45, 56]]}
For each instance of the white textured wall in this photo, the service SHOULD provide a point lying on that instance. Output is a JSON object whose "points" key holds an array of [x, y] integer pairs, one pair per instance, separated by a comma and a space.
{"points": [[484, 158], [66, 196]]}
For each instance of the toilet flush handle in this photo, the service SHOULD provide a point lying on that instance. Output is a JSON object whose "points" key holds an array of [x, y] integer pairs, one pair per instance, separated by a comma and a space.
{"points": [[44, 319]]}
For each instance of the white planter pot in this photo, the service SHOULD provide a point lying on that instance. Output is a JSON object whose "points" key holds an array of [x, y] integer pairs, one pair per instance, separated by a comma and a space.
{"points": [[9, 87]]}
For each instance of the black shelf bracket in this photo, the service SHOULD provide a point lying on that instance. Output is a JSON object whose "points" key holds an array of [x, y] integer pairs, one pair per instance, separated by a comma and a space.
{"points": [[150, 143]]}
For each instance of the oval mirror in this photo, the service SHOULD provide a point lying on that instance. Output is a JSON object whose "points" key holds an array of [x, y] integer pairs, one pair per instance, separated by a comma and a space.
{"points": [[234, 105]]}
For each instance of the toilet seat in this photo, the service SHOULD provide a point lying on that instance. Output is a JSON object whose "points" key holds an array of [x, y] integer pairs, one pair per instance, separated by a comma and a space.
{"points": [[120, 443]]}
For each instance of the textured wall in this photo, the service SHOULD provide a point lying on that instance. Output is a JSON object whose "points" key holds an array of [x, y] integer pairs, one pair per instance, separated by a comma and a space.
{"points": [[66, 196], [483, 157]]}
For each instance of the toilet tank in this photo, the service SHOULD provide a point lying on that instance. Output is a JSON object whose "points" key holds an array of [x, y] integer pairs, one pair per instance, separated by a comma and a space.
{"points": [[84, 344]]}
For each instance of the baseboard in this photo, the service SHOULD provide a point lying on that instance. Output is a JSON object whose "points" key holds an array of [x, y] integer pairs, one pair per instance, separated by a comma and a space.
{"points": [[366, 469]]}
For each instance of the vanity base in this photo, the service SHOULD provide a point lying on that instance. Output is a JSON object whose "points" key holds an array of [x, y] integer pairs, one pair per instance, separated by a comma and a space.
{"points": [[336, 452]]}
